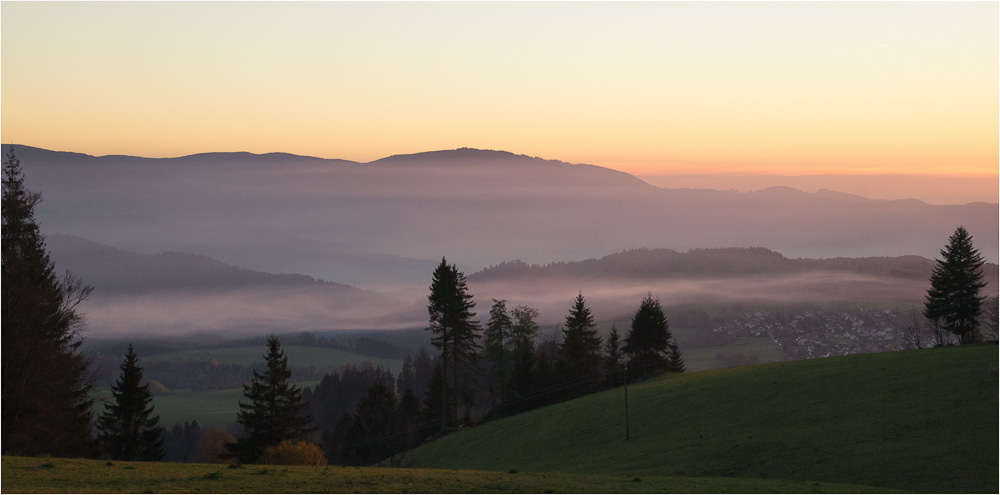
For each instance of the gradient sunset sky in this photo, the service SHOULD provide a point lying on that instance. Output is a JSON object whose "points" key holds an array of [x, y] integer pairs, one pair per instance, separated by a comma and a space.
{"points": [[648, 88]]}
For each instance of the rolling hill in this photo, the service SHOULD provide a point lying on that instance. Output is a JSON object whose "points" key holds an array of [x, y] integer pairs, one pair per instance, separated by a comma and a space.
{"points": [[177, 293], [385, 223], [922, 421]]}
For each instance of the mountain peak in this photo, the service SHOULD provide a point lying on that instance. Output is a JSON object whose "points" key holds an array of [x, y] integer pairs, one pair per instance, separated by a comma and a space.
{"points": [[448, 156]]}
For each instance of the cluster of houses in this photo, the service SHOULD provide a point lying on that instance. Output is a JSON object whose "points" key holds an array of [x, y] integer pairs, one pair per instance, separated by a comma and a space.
{"points": [[836, 332]]}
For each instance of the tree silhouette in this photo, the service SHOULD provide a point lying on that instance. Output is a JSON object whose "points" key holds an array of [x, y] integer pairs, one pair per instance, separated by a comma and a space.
{"points": [[46, 386], [454, 333], [649, 343], [275, 412], [613, 357], [127, 428], [496, 343], [953, 300], [580, 352]]}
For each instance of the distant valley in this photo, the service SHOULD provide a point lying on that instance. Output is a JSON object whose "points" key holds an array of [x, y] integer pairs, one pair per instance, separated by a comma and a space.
{"points": [[176, 293], [195, 244]]}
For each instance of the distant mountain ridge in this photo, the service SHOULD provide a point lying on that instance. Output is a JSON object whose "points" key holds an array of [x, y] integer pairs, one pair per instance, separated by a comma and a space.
{"points": [[388, 222]]}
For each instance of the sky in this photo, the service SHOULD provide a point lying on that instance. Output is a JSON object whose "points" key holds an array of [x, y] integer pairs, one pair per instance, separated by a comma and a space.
{"points": [[650, 88]]}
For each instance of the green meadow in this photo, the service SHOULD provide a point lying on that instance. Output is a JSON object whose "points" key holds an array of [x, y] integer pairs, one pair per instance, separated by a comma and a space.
{"points": [[923, 420], [911, 421]]}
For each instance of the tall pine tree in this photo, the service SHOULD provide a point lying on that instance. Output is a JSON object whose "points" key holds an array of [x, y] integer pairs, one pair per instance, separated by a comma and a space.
{"points": [[524, 329], [496, 343], [127, 428], [455, 334], [953, 300], [46, 386], [580, 352], [275, 412]]}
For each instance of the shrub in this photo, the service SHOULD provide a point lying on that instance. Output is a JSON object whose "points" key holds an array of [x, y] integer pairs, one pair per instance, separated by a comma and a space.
{"points": [[297, 454]]}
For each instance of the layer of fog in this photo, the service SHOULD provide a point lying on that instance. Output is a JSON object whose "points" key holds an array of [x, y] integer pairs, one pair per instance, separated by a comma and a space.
{"points": [[617, 300], [261, 312], [241, 313]]}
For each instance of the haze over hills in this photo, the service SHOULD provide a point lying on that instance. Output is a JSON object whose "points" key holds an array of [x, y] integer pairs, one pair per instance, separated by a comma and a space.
{"points": [[385, 224], [178, 293], [712, 279]]}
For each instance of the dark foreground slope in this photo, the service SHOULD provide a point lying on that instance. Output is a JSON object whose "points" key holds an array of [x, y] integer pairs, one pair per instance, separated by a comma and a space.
{"points": [[922, 420]]}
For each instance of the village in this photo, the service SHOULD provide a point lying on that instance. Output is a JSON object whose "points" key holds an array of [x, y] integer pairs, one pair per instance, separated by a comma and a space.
{"points": [[824, 333]]}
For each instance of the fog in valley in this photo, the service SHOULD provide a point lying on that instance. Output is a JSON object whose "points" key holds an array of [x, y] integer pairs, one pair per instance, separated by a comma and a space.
{"points": [[365, 238]]}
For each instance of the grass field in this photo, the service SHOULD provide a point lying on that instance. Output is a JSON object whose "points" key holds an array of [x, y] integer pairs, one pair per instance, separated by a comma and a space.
{"points": [[921, 420], [297, 356], [46, 475]]}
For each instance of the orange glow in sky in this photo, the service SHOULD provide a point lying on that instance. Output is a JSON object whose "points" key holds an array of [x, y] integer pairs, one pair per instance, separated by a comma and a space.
{"points": [[649, 87]]}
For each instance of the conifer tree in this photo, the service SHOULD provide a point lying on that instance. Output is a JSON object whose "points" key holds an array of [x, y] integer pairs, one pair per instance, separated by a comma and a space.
{"points": [[455, 334], [649, 340], [496, 343], [613, 357], [127, 428], [374, 433], [675, 362], [276, 410], [580, 352], [524, 329], [46, 386], [953, 300]]}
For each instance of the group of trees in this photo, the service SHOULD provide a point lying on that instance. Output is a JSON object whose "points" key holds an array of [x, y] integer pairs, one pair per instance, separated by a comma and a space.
{"points": [[48, 391], [518, 375]]}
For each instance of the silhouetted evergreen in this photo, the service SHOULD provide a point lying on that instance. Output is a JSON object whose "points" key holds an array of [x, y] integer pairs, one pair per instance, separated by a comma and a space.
{"points": [[524, 329], [339, 393], [182, 441], [275, 412], [580, 352], [127, 429], [46, 386], [614, 359], [649, 343], [455, 334], [675, 362], [434, 401], [953, 300], [496, 353], [372, 436]]}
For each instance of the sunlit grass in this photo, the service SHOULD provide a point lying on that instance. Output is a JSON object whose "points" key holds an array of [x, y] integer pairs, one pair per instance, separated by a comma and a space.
{"points": [[42, 475]]}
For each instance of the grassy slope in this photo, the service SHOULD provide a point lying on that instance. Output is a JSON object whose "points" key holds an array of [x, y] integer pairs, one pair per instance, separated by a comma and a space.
{"points": [[916, 420], [41, 475]]}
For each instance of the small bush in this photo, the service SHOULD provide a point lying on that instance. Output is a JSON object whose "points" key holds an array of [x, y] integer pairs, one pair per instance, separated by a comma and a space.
{"points": [[295, 454]]}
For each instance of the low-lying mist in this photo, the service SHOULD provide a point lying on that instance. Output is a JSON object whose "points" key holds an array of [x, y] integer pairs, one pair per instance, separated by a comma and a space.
{"points": [[617, 300]]}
